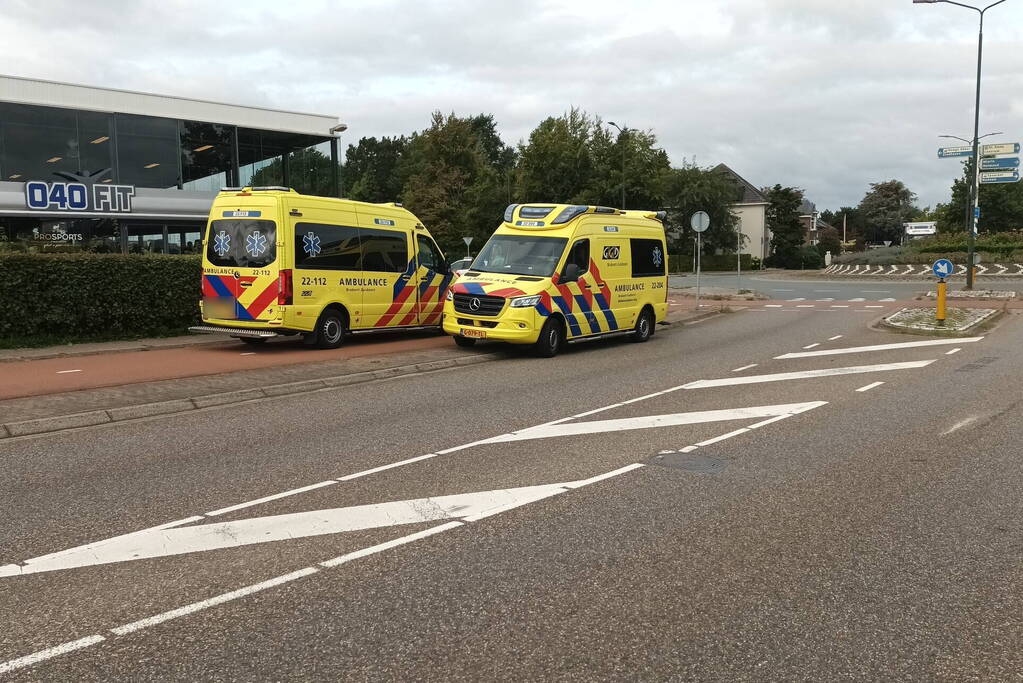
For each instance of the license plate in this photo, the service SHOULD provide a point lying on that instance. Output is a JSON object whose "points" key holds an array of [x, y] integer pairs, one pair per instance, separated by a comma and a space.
{"points": [[470, 332]]}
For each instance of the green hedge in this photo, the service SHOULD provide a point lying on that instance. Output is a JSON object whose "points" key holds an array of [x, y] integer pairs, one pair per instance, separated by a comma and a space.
{"points": [[712, 262], [71, 297]]}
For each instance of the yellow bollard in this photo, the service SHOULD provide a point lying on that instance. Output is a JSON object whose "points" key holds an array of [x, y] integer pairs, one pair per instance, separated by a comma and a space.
{"points": [[939, 314]]}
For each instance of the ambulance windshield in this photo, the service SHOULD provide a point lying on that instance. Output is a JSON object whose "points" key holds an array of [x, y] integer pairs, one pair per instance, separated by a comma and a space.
{"points": [[517, 255], [241, 243]]}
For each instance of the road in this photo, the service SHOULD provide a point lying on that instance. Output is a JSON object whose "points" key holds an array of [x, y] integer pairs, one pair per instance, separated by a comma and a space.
{"points": [[704, 506], [780, 288]]}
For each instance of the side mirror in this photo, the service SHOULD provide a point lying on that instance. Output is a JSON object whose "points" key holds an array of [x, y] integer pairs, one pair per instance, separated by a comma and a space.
{"points": [[571, 273]]}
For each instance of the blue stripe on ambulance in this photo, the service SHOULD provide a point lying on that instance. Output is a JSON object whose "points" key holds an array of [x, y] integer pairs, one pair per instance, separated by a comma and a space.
{"points": [[573, 325], [403, 279], [587, 313], [218, 285], [612, 322], [473, 288]]}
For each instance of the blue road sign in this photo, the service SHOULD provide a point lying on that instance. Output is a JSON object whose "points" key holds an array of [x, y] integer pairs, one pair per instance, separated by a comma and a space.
{"points": [[1000, 164], [989, 177], [943, 268], [947, 152]]}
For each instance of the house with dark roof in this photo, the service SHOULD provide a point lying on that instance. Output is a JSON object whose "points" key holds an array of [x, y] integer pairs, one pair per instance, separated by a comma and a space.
{"points": [[750, 207]]}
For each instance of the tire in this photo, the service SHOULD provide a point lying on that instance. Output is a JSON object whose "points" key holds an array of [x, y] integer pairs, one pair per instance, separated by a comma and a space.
{"points": [[644, 327], [552, 338], [464, 342], [253, 341], [330, 330]]}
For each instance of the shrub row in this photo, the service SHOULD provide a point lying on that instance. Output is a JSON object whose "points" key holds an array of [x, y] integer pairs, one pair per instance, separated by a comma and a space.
{"points": [[76, 296], [683, 263]]}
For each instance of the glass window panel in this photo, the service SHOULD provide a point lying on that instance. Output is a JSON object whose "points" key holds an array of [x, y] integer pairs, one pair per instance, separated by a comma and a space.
{"points": [[327, 247], [647, 258], [147, 151], [384, 250], [38, 142], [242, 243], [205, 155]]}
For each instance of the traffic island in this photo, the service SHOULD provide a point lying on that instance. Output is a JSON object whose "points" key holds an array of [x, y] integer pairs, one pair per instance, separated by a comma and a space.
{"points": [[958, 321]]}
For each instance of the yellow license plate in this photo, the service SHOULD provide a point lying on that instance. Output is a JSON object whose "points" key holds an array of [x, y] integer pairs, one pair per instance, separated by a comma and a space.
{"points": [[470, 332]]}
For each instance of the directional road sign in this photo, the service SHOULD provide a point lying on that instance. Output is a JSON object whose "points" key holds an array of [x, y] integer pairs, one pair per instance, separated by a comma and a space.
{"points": [[989, 177], [948, 152], [700, 221], [999, 148], [999, 163], [943, 268]]}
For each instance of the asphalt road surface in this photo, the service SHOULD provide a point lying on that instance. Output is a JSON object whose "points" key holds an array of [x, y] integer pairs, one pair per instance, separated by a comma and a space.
{"points": [[752, 497], [870, 290]]}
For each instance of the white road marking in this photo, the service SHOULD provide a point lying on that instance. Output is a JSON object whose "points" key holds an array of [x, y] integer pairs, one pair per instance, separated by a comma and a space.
{"points": [[839, 306], [248, 353], [877, 291], [48, 653], [805, 374], [888, 299], [688, 449], [879, 347], [651, 421], [206, 604], [873, 306], [743, 430], [870, 386], [857, 300], [267, 499], [805, 306], [802, 298], [822, 291], [783, 290], [772, 305], [952, 352], [66, 372], [729, 435], [42, 655], [837, 336], [959, 425], [812, 346], [745, 367], [823, 300]]}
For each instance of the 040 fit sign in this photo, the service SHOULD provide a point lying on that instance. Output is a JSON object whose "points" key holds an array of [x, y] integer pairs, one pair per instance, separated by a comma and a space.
{"points": [[41, 196]]}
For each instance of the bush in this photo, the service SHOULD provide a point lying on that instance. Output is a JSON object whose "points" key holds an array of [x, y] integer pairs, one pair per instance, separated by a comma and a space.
{"points": [[713, 262], [70, 297]]}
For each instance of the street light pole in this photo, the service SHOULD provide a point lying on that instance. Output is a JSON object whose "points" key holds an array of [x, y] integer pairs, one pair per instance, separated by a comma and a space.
{"points": [[621, 132], [971, 237]]}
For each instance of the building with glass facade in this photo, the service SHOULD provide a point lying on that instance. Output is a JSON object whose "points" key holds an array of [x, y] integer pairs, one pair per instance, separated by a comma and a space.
{"points": [[94, 169]]}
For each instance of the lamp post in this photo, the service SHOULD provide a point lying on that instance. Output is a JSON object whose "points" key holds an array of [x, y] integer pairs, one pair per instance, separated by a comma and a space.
{"points": [[335, 162], [622, 132], [971, 235]]}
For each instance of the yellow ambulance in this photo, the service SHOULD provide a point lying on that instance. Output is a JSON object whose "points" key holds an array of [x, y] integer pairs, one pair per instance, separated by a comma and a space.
{"points": [[553, 274], [276, 262]]}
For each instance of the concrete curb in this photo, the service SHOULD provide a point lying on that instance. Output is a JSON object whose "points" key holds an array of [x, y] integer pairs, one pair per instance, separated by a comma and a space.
{"points": [[112, 415]]}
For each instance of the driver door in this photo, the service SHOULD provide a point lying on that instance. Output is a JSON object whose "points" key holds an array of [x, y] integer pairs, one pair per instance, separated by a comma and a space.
{"points": [[434, 277]]}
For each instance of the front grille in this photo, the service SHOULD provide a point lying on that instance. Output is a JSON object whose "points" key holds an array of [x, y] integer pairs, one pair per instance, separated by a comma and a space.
{"points": [[467, 322], [488, 305]]}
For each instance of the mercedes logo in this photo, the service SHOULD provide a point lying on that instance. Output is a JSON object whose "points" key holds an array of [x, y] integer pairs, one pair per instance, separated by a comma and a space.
{"points": [[474, 304]]}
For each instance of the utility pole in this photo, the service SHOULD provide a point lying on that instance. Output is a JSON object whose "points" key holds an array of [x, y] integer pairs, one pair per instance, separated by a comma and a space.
{"points": [[621, 141]]}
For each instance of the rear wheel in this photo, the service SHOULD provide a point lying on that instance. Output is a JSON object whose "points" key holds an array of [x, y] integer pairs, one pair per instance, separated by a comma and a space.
{"points": [[253, 341], [552, 337], [330, 330], [464, 342], [644, 327]]}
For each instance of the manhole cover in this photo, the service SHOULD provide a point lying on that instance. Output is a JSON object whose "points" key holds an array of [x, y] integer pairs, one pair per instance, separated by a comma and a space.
{"points": [[689, 462]]}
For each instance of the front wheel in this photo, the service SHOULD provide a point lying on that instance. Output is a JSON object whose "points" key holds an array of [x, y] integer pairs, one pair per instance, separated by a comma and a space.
{"points": [[644, 327], [464, 342], [330, 330], [552, 337]]}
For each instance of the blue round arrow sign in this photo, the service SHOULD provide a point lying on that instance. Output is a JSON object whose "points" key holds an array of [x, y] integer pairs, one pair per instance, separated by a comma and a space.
{"points": [[943, 268]]}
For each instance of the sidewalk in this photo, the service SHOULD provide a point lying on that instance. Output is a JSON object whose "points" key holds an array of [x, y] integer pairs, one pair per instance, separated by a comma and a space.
{"points": [[91, 349]]}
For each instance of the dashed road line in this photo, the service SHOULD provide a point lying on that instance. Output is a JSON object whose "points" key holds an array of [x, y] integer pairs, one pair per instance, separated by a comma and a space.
{"points": [[812, 346], [952, 352], [66, 372], [837, 336], [870, 386], [745, 367], [806, 374]]}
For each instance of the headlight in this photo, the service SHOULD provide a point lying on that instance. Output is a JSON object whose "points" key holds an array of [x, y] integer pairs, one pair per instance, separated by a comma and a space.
{"points": [[450, 296], [525, 301]]}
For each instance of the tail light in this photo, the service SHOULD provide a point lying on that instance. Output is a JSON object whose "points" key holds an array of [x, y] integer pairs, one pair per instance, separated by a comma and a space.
{"points": [[285, 291]]}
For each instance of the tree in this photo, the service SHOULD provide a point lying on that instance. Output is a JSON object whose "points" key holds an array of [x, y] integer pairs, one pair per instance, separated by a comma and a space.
{"points": [[853, 217], [309, 172], [645, 163], [885, 208], [450, 183], [787, 231], [371, 170], [684, 191], [1001, 206], [556, 164], [829, 239]]}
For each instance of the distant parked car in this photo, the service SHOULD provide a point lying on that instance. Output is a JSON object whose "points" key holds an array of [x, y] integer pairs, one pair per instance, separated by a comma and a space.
{"points": [[460, 266]]}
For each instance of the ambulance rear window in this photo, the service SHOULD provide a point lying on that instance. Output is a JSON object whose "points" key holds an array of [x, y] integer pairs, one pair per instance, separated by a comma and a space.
{"points": [[242, 243]]}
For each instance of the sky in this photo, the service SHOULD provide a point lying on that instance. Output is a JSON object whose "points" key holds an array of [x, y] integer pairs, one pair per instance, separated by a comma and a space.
{"points": [[825, 95]]}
